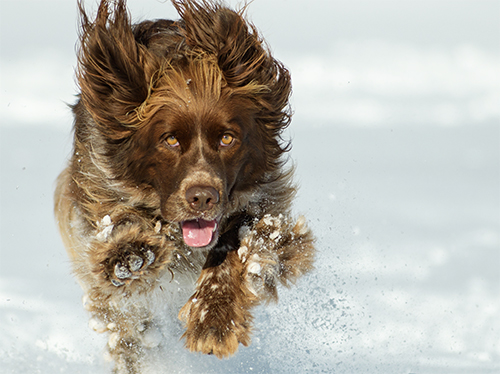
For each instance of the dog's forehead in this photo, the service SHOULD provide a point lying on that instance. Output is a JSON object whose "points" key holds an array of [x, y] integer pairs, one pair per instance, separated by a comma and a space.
{"points": [[198, 115]]}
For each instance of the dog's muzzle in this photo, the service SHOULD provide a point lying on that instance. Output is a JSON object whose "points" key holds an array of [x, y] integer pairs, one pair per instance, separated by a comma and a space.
{"points": [[201, 232]]}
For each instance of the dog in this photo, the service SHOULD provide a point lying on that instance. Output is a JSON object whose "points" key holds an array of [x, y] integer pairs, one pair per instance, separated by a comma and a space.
{"points": [[178, 183]]}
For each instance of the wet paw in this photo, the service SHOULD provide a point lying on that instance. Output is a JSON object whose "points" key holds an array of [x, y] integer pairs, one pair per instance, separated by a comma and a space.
{"points": [[259, 254], [262, 274], [211, 332], [275, 250], [130, 264], [266, 235]]}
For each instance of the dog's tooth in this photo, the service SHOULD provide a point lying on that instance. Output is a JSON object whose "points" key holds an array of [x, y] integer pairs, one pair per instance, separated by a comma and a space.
{"points": [[135, 262], [122, 272], [215, 227]]}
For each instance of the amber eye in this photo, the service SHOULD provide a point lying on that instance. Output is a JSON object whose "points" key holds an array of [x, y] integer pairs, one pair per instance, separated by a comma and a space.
{"points": [[172, 141], [226, 140]]}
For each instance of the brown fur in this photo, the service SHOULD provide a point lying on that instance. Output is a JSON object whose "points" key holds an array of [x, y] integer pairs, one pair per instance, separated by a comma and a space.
{"points": [[120, 202]]}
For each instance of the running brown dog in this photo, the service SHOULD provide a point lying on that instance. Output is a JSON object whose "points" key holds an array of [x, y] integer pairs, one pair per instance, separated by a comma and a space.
{"points": [[178, 172]]}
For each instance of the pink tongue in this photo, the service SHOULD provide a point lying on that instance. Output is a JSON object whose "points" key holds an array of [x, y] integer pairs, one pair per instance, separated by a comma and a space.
{"points": [[198, 232]]}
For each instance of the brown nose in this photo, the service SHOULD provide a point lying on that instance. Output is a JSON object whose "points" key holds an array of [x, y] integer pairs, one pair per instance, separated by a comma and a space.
{"points": [[202, 198]]}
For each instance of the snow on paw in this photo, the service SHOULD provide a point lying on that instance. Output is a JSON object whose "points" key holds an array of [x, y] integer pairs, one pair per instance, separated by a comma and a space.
{"points": [[266, 235], [277, 249], [114, 339], [297, 252], [97, 325], [271, 227], [130, 263], [104, 228], [262, 274]]}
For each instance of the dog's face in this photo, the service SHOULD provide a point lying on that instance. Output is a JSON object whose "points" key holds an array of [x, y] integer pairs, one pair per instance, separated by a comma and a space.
{"points": [[199, 151], [193, 110]]}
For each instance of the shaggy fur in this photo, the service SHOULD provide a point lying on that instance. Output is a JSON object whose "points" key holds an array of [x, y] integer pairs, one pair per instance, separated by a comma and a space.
{"points": [[178, 173]]}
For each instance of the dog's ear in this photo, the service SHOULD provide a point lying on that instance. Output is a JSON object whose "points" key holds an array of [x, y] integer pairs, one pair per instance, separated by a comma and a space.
{"points": [[111, 68], [247, 65], [212, 28]]}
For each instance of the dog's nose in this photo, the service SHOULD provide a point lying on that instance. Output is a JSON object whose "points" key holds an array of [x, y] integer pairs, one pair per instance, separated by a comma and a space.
{"points": [[202, 198]]}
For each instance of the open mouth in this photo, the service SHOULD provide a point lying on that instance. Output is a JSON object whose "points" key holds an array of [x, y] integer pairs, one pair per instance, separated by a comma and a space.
{"points": [[199, 232]]}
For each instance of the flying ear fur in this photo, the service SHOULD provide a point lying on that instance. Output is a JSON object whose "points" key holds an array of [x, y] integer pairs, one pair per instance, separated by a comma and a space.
{"points": [[111, 68], [215, 29], [220, 31], [244, 61], [115, 71]]}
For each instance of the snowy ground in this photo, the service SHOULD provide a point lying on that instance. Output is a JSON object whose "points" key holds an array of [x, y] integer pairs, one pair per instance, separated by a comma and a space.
{"points": [[398, 159], [406, 280]]}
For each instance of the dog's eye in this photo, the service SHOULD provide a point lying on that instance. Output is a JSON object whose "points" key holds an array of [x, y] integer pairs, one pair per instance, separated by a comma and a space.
{"points": [[226, 140], [172, 141]]}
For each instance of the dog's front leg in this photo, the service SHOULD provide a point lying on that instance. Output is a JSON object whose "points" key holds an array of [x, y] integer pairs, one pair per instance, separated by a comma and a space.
{"points": [[121, 266], [217, 316]]}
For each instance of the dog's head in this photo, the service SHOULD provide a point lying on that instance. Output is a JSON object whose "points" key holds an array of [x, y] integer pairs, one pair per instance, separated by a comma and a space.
{"points": [[194, 109]]}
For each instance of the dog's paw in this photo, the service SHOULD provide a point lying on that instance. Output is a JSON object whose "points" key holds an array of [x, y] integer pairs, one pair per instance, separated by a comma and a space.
{"points": [[217, 317], [262, 272], [259, 254], [130, 263], [277, 249], [132, 253], [215, 330]]}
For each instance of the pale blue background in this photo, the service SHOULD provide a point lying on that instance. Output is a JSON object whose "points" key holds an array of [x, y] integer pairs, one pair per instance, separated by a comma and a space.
{"points": [[396, 143]]}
